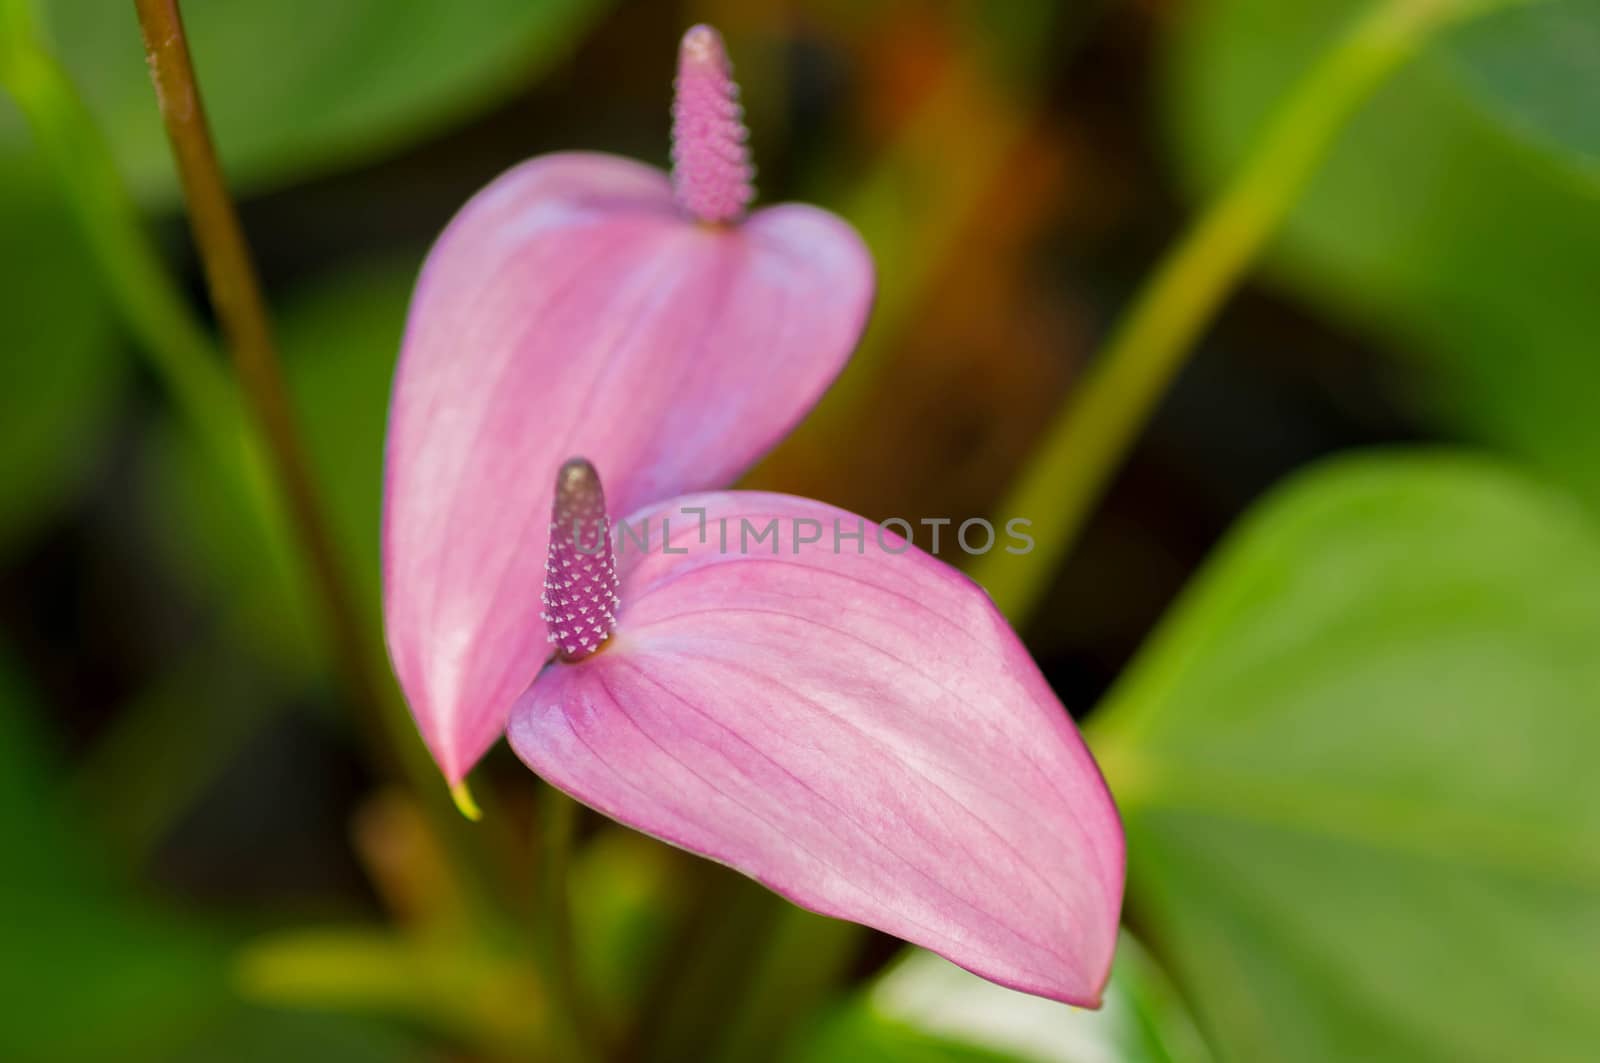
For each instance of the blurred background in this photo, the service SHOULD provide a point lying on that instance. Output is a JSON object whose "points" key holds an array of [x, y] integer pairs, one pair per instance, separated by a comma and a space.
{"points": [[206, 860]]}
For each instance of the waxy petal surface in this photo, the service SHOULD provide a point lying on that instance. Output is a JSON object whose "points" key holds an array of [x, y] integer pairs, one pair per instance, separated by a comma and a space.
{"points": [[862, 733], [571, 308]]}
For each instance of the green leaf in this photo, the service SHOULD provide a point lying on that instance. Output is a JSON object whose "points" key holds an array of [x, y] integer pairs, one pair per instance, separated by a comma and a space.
{"points": [[1458, 217], [86, 971], [59, 374], [299, 87], [856, 1033], [259, 1035], [625, 904], [487, 999], [925, 1009], [89, 971], [1533, 66], [1355, 768]]}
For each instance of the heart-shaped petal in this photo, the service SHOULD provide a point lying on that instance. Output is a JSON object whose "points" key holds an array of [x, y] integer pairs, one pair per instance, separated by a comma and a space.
{"points": [[850, 722], [572, 307]]}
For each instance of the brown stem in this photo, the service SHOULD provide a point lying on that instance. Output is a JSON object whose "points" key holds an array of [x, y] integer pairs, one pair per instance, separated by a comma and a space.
{"points": [[241, 310]]}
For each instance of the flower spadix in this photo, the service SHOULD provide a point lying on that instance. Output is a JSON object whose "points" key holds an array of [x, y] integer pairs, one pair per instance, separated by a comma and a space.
{"points": [[585, 303], [806, 697]]}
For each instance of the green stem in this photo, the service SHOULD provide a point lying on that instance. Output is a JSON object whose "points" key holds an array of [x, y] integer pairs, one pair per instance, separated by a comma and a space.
{"points": [[804, 957], [182, 354], [181, 351], [557, 828], [1092, 435], [167, 332], [241, 310]]}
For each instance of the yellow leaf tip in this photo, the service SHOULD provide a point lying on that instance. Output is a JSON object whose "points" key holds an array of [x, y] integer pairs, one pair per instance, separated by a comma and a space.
{"points": [[461, 794]]}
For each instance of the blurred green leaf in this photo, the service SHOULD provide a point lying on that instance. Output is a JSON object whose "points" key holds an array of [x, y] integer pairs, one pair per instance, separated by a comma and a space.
{"points": [[1459, 215], [227, 553], [487, 999], [857, 1033], [1535, 66], [625, 902], [1355, 768], [339, 343], [257, 1035], [59, 372], [803, 958], [298, 87], [86, 972], [717, 963], [925, 1009], [158, 748], [89, 971]]}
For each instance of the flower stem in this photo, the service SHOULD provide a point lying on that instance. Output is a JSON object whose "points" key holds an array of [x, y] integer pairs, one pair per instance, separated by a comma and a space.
{"points": [[801, 962], [557, 827], [177, 346], [1091, 436], [241, 310], [182, 352]]}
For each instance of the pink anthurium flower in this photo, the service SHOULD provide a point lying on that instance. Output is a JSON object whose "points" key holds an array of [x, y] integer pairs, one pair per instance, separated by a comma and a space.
{"points": [[584, 303], [840, 716], [806, 697]]}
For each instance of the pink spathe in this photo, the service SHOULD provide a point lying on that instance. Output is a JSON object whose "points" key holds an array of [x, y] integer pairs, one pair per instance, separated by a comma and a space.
{"points": [[851, 723], [574, 307]]}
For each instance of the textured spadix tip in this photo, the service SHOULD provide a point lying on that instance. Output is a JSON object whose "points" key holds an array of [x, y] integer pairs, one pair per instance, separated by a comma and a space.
{"points": [[711, 170], [577, 479], [580, 581]]}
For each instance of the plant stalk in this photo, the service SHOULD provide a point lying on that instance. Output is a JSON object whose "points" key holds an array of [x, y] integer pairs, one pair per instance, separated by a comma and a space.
{"points": [[557, 822], [168, 334], [241, 310], [1089, 439]]}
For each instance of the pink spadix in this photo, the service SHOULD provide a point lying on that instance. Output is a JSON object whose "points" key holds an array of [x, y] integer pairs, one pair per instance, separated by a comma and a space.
{"points": [[580, 304], [580, 575], [711, 168]]}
